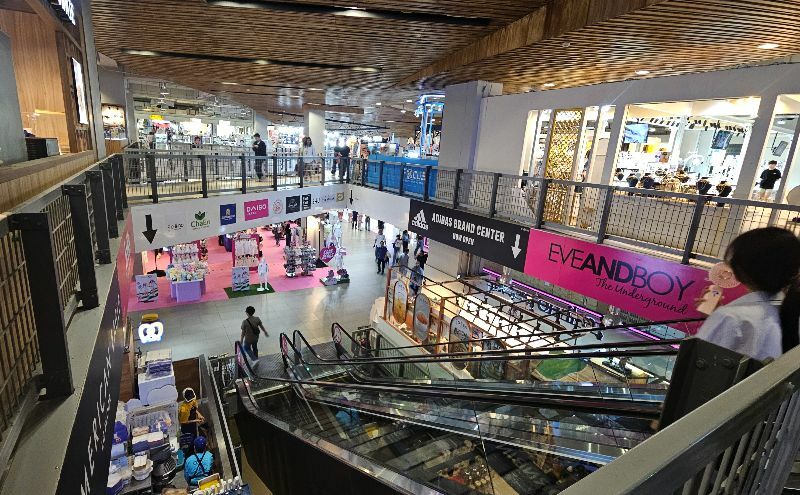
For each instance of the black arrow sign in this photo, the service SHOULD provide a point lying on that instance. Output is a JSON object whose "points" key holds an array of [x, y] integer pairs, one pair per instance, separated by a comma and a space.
{"points": [[150, 233]]}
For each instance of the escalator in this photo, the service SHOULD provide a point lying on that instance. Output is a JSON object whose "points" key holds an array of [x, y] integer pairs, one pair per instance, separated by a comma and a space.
{"points": [[431, 433]]}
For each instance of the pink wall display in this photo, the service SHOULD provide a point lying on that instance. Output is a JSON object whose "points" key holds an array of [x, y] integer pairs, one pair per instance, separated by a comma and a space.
{"points": [[650, 287]]}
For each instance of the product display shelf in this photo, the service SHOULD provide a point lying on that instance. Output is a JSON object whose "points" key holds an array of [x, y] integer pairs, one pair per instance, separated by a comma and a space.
{"points": [[300, 260]]}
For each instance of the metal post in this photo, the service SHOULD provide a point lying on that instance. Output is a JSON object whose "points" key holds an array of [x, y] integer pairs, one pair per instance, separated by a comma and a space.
{"points": [[457, 186], [119, 185], [601, 230], [425, 195], [301, 169], [274, 173], [699, 208], [493, 198], [103, 253], [151, 173], [122, 181], [204, 175], [81, 228], [48, 313], [111, 207], [402, 188], [364, 169], [380, 175], [538, 221], [322, 173], [243, 160]]}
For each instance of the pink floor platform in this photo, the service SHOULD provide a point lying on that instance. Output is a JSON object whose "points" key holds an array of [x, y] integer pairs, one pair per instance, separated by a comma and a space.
{"points": [[219, 277]]}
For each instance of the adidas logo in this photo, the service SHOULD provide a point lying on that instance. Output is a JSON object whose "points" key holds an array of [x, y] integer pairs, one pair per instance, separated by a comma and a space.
{"points": [[419, 221]]}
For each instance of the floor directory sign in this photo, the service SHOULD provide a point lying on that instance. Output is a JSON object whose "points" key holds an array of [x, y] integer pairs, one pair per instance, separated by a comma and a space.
{"points": [[502, 242]]}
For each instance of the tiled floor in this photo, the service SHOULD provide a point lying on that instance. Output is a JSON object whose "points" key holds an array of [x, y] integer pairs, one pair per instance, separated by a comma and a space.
{"points": [[211, 328]]}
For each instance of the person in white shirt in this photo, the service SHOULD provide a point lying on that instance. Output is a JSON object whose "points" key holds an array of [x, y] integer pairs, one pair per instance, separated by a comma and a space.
{"points": [[764, 323], [379, 239]]}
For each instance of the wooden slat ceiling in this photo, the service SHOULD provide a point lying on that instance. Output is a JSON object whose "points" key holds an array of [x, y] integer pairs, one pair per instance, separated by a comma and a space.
{"points": [[524, 44]]}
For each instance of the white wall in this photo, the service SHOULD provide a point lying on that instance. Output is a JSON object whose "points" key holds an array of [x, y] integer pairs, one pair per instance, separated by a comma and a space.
{"points": [[379, 205], [461, 120], [112, 87]]}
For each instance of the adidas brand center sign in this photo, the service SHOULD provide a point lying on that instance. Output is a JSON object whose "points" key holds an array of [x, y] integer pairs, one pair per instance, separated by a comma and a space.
{"points": [[502, 242]]}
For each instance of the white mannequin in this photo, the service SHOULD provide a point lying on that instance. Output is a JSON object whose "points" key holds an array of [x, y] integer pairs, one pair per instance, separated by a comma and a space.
{"points": [[263, 274]]}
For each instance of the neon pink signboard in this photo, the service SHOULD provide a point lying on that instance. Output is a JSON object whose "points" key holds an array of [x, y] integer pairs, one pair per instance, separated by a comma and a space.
{"points": [[650, 287], [256, 209]]}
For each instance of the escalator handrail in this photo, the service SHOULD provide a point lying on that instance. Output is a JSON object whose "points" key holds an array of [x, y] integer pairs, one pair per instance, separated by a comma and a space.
{"points": [[518, 337], [493, 355]]}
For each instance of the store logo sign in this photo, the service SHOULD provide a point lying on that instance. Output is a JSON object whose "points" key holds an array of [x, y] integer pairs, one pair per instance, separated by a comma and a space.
{"points": [[306, 202], [227, 214], [277, 206], [151, 332], [200, 221], [254, 210], [292, 204], [65, 9], [175, 226], [419, 221]]}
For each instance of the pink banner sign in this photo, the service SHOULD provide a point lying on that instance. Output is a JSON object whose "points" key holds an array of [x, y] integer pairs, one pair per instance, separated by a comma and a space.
{"points": [[326, 254], [254, 210], [652, 288]]}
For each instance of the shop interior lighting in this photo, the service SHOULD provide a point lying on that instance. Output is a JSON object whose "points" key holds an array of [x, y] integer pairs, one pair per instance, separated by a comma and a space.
{"points": [[314, 89], [409, 101], [768, 46], [378, 104], [227, 83], [402, 111], [548, 85], [642, 72], [351, 11]]}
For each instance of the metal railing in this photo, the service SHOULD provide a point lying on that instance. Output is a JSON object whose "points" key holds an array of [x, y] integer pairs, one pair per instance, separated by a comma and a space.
{"points": [[743, 441], [49, 247]]}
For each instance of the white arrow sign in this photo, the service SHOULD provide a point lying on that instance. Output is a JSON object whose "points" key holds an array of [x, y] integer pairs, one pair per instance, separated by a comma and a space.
{"points": [[515, 248]]}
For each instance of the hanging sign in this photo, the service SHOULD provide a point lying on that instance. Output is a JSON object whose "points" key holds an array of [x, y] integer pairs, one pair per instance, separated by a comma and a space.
{"points": [[240, 276], [422, 317], [399, 302], [459, 337], [146, 288], [649, 287], [150, 332], [495, 240]]}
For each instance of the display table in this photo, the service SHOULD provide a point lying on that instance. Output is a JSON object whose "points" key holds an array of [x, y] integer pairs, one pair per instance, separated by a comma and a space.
{"points": [[185, 291], [148, 384]]}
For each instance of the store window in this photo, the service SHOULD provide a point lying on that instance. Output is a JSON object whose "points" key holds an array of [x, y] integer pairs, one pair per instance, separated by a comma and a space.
{"points": [[689, 146], [779, 148]]}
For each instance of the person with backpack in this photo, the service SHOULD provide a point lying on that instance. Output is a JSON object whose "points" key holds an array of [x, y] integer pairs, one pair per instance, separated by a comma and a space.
{"points": [[397, 247], [198, 465], [381, 257], [251, 326]]}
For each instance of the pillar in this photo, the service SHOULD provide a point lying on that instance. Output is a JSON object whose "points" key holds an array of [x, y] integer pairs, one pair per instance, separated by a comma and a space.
{"points": [[12, 140], [95, 115], [314, 127], [461, 122], [261, 124], [751, 164], [130, 116]]}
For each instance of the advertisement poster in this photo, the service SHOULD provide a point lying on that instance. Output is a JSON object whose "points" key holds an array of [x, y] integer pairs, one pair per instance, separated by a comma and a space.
{"points": [[399, 303], [146, 288], [422, 317], [495, 240], [326, 254], [459, 337], [240, 278], [650, 287]]}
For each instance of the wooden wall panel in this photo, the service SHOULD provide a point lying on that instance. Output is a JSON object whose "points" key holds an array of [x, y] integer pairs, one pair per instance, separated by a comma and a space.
{"points": [[23, 181], [38, 74]]}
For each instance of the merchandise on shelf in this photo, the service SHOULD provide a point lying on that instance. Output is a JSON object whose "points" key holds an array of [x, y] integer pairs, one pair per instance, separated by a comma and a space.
{"points": [[182, 272], [302, 259], [188, 252], [246, 250]]}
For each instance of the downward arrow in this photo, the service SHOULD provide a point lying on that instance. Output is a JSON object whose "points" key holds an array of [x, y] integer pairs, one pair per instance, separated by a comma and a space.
{"points": [[514, 249], [150, 233]]}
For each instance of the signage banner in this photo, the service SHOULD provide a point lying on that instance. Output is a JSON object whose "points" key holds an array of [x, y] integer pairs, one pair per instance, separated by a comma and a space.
{"points": [[240, 278], [399, 302], [495, 240], [174, 222], [650, 287], [327, 253], [422, 317], [146, 288]]}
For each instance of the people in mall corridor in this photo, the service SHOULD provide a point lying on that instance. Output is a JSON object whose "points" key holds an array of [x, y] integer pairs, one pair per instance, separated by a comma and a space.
{"points": [[189, 415], [259, 149], [344, 160], [417, 276], [402, 262], [406, 240], [769, 177], [381, 256], [197, 142], [199, 465], [251, 327], [422, 258], [765, 322], [380, 238], [397, 247], [150, 140], [287, 232], [366, 224], [420, 245]]}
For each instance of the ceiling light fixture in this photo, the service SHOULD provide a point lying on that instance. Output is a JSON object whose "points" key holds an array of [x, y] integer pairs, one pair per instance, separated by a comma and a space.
{"points": [[409, 101], [390, 121], [548, 85], [226, 83], [768, 46], [315, 89], [402, 111], [146, 53], [378, 104], [642, 72]]}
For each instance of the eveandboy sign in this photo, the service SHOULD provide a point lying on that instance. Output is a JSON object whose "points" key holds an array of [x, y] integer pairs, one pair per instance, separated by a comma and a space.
{"points": [[649, 287]]}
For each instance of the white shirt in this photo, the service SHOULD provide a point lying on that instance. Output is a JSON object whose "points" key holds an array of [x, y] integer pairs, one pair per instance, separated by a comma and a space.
{"points": [[380, 238], [750, 325]]}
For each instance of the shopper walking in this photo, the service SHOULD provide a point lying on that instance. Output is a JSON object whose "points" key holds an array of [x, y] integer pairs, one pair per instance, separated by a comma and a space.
{"points": [[380, 238], [768, 177], [763, 323], [417, 277], [397, 245], [422, 258], [354, 220], [402, 262], [260, 150], [381, 256], [406, 239], [344, 161], [287, 232], [366, 222], [420, 245], [251, 326]]}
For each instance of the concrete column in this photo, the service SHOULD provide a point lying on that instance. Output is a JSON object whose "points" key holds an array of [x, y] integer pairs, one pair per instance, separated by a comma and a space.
{"points": [[130, 116], [446, 259], [260, 124], [614, 143], [461, 122], [12, 139], [95, 115], [314, 127], [751, 164]]}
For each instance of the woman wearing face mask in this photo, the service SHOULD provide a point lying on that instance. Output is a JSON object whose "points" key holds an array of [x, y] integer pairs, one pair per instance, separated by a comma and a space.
{"points": [[763, 323]]}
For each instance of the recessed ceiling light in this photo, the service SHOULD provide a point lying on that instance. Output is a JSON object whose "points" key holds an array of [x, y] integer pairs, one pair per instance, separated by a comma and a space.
{"points": [[146, 53], [390, 121], [768, 46], [378, 104], [548, 85], [409, 101], [402, 111], [642, 72], [226, 83], [315, 89]]}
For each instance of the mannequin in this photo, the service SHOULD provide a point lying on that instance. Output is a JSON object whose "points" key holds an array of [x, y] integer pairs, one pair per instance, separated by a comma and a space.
{"points": [[263, 275]]}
